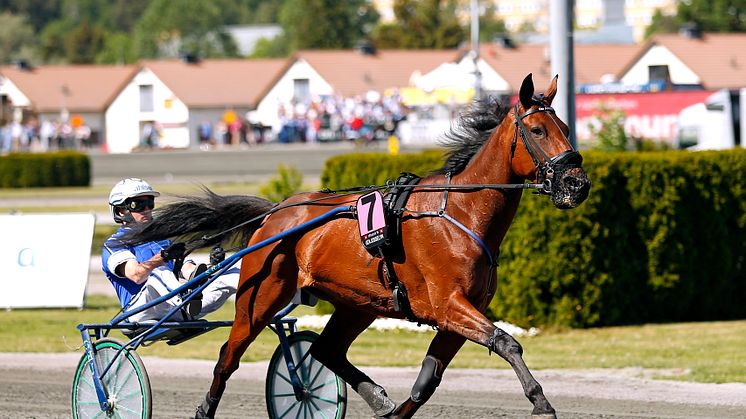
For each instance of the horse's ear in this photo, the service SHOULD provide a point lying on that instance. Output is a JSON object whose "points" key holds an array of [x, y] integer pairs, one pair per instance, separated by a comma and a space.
{"points": [[551, 90], [527, 92]]}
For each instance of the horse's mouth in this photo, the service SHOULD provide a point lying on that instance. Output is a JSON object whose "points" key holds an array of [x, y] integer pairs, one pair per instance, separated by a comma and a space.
{"points": [[570, 188]]}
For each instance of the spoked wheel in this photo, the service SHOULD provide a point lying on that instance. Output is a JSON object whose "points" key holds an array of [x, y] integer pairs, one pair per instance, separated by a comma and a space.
{"points": [[324, 394], [126, 383]]}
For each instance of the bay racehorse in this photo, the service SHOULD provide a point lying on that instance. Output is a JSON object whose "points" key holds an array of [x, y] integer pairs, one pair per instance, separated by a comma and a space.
{"points": [[450, 233]]}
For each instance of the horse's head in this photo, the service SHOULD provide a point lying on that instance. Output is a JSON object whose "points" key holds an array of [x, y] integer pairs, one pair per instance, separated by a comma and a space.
{"points": [[544, 153]]}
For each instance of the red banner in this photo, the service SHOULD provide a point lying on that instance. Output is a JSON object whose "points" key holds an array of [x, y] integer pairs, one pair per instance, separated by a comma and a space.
{"points": [[648, 115]]}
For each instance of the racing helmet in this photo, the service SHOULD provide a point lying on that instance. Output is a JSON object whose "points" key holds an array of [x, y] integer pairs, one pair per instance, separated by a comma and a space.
{"points": [[125, 190]]}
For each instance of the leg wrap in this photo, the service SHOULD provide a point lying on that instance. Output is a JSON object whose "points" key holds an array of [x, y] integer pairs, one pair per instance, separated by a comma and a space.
{"points": [[427, 381], [492, 342], [503, 344], [376, 398]]}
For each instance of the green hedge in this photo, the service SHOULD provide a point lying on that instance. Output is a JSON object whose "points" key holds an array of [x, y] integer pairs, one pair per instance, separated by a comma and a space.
{"points": [[661, 238], [364, 169], [25, 170]]}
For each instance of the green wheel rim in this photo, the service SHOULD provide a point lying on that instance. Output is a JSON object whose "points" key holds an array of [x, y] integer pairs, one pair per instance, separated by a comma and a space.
{"points": [[326, 393], [126, 383]]}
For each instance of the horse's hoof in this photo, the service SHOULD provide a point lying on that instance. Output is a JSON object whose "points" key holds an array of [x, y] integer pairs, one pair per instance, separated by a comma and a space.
{"points": [[200, 414]]}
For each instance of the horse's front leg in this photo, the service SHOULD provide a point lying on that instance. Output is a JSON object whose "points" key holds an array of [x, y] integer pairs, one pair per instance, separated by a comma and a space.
{"points": [[464, 319], [443, 348]]}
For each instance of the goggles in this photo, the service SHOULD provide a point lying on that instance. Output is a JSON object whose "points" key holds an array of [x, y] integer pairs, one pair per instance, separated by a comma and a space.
{"points": [[141, 204]]}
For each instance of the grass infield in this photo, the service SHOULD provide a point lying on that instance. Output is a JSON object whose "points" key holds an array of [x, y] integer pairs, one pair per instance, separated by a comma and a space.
{"points": [[709, 352]]}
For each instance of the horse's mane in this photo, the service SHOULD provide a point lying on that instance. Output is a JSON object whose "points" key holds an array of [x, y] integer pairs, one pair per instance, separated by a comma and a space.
{"points": [[470, 132]]}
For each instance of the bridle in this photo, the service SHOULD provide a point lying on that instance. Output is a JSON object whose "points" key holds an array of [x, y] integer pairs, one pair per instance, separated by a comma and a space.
{"points": [[545, 165]]}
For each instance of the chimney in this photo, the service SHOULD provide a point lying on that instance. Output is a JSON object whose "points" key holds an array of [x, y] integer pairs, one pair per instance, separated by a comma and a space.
{"points": [[189, 58], [366, 48], [23, 65], [503, 39], [690, 30]]}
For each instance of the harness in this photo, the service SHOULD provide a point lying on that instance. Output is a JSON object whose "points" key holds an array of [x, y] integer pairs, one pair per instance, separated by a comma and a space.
{"points": [[394, 209], [398, 195], [399, 191]]}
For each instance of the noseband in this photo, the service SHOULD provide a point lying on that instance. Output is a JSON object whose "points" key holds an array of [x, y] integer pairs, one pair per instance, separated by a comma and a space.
{"points": [[545, 165]]}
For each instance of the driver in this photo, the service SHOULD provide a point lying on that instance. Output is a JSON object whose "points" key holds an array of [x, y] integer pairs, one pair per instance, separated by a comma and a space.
{"points": [[144, 272]]}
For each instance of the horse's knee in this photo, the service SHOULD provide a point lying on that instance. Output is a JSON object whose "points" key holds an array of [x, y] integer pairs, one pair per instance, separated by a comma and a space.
{"points": [[428, 380], [504, 345]]}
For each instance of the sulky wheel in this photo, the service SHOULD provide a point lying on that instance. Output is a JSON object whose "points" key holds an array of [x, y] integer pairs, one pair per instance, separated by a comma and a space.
{"points": [[126, 384], [324, 394]]}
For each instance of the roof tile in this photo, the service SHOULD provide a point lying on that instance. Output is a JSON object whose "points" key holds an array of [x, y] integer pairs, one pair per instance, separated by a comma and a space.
{"points": [[78, 88], [218, 83], [352, 73]]}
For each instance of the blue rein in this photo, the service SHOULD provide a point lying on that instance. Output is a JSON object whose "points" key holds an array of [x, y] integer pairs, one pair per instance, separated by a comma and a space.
{"points": [[473, 235]]}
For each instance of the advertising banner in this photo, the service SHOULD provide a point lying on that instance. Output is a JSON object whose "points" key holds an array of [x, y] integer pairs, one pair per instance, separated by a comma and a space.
{"points": [[650, 116], [44, 259]]}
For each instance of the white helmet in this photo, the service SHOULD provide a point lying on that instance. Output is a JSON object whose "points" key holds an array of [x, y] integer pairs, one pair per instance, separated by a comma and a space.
{"points": [[126, 189]]}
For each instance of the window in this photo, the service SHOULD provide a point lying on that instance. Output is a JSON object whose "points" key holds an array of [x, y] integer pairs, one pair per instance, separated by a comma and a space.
{"points": [[658, 73], [301, 90], [146, 98]]}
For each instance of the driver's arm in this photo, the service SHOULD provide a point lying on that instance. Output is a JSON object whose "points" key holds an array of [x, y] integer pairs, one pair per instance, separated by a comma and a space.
{"points": [[139, 272]]}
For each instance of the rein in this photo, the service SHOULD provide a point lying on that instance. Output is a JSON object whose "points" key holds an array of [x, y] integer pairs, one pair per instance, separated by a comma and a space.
{"points": [[543, 163], [433, 187]]}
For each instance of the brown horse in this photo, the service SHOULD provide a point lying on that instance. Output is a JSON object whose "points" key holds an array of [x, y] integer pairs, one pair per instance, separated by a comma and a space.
{"points": [[449, 241]]}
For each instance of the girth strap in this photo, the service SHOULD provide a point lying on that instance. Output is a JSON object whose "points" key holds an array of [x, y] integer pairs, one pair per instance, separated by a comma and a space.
{"points": [[395, 202]]}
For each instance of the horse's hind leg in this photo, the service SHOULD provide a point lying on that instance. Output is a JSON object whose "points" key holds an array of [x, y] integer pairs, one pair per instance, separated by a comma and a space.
{"points": [[443, 348], [331, 350], [255, 308]]}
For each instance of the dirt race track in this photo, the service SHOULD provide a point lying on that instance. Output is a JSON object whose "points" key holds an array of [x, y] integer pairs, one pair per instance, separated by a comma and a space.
{"points": [[38, 386]]}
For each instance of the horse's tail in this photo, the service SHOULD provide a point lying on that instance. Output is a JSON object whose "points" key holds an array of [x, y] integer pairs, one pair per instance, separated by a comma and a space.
{"points": [[203, 221]]}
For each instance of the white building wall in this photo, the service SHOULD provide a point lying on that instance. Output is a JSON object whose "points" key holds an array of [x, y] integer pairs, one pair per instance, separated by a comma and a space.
{"points": [[491, 80], [282, 92], [659, 55], [124, 120], [122, 126], [9, 89]]}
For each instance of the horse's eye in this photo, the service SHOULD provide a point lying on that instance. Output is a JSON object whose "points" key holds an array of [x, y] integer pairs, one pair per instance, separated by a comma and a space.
{"points": [[536, 131]]}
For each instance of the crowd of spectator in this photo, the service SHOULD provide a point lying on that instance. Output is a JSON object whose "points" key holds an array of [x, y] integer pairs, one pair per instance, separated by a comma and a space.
{"points": [[36, 136], [362, 119], [333, 118], [240, 131]]}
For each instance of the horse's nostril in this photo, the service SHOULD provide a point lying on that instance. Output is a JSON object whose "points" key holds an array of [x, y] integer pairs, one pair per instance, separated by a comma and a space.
{"points": [[573, 183]]}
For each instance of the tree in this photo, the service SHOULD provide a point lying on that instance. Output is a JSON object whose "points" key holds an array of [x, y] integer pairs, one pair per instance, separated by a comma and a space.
{"points": [[276, 47], [326, 24], [83, 43], [609, 133], [490, 24], [707, 15], [420, 25], [714, 15], [52, 40], [661, 24], [118, 49], [38, 12], [17, 39], [168, 28]]}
